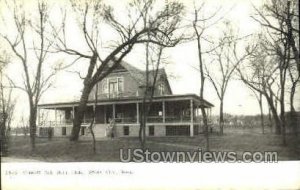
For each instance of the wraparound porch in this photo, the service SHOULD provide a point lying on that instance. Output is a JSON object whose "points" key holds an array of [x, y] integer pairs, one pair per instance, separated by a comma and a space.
{"points": [[165, 112]]}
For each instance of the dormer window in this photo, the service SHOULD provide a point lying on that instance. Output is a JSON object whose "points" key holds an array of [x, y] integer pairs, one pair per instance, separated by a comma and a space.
{"points": [[161, 89]]}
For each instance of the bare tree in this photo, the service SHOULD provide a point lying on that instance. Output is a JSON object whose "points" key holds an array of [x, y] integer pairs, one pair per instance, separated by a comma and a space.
{"points": [[94, 14], [91, 126], [227, 59], [264, 71], [33, 29], [200, 24], [7, 104], [281, 19], [294, 80], [259, 98], [153, 58]]}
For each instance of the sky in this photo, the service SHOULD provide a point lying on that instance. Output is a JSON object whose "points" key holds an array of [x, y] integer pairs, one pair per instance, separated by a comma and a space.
{"points": [[182, 59]]}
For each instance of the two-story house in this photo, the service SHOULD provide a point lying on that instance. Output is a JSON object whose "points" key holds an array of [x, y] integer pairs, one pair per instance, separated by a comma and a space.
{"points": [[119, 97]]}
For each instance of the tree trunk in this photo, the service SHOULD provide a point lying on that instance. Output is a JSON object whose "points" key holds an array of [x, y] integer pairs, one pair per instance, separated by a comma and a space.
{"points": [[92, 132], [202, 80], [206, 132], [80, 112], [94, 120], [32, 125], [143, 120], [221, 122], [292, 95], [261, 113], [282, 116], [142, 133], [275, 115], [4, 136], [3, 122], [293, 114], [270, 120], [92, 125]]}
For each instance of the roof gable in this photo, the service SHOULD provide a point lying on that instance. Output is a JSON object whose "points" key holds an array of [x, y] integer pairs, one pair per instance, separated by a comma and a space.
{"points": [[140, 76]]}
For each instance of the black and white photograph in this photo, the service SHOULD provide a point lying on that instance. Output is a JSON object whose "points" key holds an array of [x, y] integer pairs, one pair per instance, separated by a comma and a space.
{"points": [[150, 94]]}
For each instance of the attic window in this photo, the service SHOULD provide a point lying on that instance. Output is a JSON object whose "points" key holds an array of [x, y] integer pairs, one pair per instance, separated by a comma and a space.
{"points": [[120, 85], [161, 89], [104, 87], [114, 86]]}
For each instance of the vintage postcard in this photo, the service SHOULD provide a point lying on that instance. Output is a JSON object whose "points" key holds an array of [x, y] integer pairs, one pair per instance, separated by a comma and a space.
{"points": [[149, 94]]}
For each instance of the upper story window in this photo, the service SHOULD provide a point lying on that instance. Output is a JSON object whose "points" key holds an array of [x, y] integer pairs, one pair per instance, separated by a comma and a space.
{"points": [[104, 87], [120, 84], [113, 86], [161, 89]]}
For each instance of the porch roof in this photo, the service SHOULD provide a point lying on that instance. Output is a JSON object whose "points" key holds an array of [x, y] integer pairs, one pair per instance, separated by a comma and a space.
{"points": [[127, 100]]}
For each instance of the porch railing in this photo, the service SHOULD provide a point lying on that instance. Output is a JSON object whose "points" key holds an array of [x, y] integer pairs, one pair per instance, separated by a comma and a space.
{"points": [[174, 119], [115, 95], [53, 124], [125, 120], [150, 119]]}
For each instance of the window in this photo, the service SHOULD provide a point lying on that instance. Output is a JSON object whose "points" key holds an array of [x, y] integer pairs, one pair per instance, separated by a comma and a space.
{"points": [[126, 130], [160, 113], [113, 88], [82, 130], [161, 89], [120, 85], [64, 131], [104, 87], [151, 130], [116, 86]]}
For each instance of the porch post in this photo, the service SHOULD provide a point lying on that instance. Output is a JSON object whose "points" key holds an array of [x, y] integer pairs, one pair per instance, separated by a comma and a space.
{"points": [[164, 111], [84, 115], [104, 114], [73, 112], [94, 109], [209, 114], [137, 113], [38, 116], [55, 116], [192, 119], [114, 111]]}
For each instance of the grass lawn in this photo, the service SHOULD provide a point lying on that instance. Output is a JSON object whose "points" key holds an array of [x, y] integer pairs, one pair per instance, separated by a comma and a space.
{"points": [[62, 150]]}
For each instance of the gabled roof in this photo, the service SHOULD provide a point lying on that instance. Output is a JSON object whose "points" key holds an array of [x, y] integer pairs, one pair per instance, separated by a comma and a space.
{"points": [[140, 76], [136, 73]]}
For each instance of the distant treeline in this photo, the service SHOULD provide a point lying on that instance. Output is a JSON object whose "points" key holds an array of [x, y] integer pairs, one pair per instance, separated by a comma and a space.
{"points": [[253, 121], [19, 131]]}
